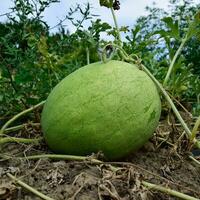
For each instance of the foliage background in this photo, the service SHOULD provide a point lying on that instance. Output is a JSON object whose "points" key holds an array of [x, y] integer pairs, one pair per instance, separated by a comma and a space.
{"points": [[33, 60]]}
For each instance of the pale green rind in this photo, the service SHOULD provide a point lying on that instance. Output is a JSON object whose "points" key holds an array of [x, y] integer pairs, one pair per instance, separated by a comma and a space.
{"points": [[112, 107]]}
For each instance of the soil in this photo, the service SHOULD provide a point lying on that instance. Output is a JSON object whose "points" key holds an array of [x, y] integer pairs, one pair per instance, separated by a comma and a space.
{"points": [[163, 161]]}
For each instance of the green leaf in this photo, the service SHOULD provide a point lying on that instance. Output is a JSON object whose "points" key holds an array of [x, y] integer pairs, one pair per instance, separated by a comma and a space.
{"points": [[124, 29], [42, 46], [172, 26], [1, 97], [135, 31], [194, 27], [162, 33]]}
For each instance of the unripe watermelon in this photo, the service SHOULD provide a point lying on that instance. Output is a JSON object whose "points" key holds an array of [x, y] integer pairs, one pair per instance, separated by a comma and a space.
{"points": [[111, 107]]}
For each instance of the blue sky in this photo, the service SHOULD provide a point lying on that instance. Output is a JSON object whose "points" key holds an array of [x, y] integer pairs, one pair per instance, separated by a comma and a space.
{"points": [[129, 12]]}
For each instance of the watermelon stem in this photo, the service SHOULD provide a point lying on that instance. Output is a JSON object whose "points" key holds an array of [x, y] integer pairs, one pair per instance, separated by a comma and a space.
{"points": [[64, 157], [21, 126], [166, 190], [18, 116], [122, 52], [119, 40], [195, 128], [88, 55], [7, 139], [195, 160], [174, 60], [29, 188]]}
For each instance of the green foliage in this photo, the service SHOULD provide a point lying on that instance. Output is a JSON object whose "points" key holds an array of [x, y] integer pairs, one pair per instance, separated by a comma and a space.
{"points": [[32, 60]]}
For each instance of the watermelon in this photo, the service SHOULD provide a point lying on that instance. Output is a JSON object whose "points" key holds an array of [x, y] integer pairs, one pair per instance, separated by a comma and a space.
{"points": [[111, 107]]}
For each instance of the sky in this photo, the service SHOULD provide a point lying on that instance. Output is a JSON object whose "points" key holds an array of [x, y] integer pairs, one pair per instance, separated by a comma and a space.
{"points": [[130, 10]]}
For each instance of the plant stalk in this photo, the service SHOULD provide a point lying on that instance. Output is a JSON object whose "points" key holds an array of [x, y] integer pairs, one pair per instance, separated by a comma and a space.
{"points": [[66, 157], [18, 127], [174, 60], [117, 27], [29, 188], [14, 128], [171, 192], [63, 157], [19, 115], [20, 140], [195, 129], [88, 55], [195, 160]]}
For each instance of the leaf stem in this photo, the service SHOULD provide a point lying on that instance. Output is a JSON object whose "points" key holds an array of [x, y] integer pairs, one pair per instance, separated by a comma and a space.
{"points": [[174, 193], [88, 55], [116, 26], [31, 189], [195, 128], [20, 140], [19, 115], [63, 157], [18, 127], [195, 160], [174, 60]]}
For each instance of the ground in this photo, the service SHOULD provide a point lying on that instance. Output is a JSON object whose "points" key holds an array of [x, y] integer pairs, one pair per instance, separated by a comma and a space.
{"points": [[164, 160]]}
